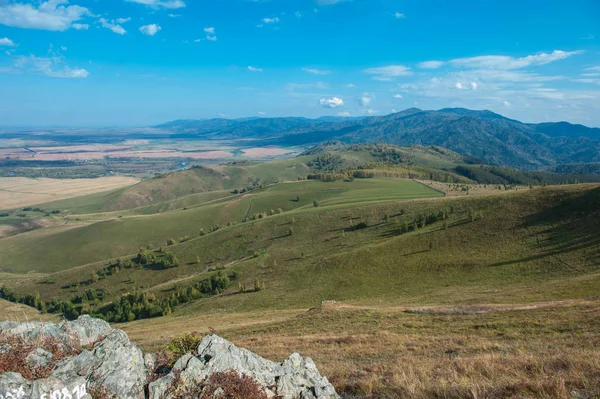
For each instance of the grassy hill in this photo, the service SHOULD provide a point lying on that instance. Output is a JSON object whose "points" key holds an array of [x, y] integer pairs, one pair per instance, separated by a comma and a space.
{"points": [[487, 282]]}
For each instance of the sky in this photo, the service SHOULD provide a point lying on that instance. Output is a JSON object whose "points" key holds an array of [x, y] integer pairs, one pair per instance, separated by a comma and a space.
{"points": [[98, 63]]}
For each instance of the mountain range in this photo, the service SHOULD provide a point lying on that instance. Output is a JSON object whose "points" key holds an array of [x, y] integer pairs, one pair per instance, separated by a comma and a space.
{"points": [[482, 134]]}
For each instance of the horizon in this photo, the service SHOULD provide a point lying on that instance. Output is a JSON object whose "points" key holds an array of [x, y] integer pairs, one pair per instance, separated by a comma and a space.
{"points": [[131, 63]]}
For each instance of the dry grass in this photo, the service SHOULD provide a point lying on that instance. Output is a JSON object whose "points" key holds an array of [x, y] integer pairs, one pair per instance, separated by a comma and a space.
{"points": [[21, 191], [547, 350], [18, 312], [451, 190]]}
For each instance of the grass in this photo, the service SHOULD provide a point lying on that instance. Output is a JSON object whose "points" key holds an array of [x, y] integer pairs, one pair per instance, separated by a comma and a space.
{"points": [[104, 239], [505, 305]]}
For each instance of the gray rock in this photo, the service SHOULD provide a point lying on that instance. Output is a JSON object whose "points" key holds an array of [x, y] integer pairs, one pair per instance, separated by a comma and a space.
{"points": [[5, 348], [116, 364], [83, 331], [13, 385], [296, 377], [38, 358]]}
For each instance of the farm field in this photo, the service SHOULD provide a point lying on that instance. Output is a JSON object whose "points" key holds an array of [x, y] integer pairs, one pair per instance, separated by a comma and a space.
{"points": [[20, 192]]}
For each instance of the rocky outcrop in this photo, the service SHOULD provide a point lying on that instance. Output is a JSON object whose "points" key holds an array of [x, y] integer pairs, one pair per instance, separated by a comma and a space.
{"points": [[107, 361]]}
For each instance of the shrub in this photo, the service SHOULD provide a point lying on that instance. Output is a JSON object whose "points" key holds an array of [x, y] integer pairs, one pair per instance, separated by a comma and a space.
{"points": [[316, 203], [181, 345], [360, 226]]}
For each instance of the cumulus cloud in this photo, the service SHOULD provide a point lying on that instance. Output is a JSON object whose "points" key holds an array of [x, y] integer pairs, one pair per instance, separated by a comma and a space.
{"points": [[150, 30], [503, 62], [6, 42], [431, 64], [80, 26], [399, 15], [54, 15], [49, 66], [506, 104], [271, 20], [316, 71], [458, 85], [333, 102], [365, 100], [171, 4], [473, 85], [388, 72], [210, 34], [113, 25], [253, 69], [398, 96]]}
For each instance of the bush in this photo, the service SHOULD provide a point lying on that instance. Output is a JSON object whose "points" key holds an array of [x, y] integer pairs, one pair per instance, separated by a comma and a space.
{"points": [[181, 345], [234, 385], [360, 226]]}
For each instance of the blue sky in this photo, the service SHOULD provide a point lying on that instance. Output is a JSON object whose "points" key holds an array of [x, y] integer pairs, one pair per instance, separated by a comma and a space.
{"points": [[142, 62]]}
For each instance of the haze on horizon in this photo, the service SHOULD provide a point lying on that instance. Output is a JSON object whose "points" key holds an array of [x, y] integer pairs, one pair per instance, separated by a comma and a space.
{"points": [[145, 62]]}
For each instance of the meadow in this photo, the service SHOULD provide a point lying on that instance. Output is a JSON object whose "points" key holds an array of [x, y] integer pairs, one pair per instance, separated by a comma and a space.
{"points": [[397, 288]]}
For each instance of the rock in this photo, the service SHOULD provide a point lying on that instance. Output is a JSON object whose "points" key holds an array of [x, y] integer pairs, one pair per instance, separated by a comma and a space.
{"points": [[116, 364], [38, 358], [13, 384], [5, 348], [83, 331], [296, 377]]}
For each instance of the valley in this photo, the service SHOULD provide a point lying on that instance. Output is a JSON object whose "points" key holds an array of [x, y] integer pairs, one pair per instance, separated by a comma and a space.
{"points": [[403, 271]]}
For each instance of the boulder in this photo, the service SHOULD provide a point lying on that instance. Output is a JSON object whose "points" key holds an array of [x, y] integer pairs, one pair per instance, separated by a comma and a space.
{"points": [[296, 377], [83, 331]]}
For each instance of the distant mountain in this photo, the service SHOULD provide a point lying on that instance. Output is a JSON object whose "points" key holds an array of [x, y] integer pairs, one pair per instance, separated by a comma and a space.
{"points": [[481, 134], [566, 129]]}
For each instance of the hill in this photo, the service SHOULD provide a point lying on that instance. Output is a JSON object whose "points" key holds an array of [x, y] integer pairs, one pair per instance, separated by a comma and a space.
{"points": [[481, 134]]}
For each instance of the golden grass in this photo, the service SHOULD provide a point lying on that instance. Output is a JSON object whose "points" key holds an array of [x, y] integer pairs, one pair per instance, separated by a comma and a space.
{"points": [[546, 350], [22, 191], [17, 312]]}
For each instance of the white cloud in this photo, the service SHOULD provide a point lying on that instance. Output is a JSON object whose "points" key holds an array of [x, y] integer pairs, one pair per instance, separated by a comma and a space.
{"points": [[350, 85], [64, 48], [160, 3], [593, 69], [506, 104], [399, 15], [253, 69], [387, 72], [394, 110], [458, 85], [333, 102], [327, 2], [116, 28], [210, 34], [80, 26], [431, 64], [473, 85], [271, 20], [7, 42], [398, 96], [150, 30], [344, 114], [262, 113], [298, 14], [48, 67], [123, 20], [372, 111], [174, 15], [316, 71], [365, 100], [50, 15], [503, 62]]}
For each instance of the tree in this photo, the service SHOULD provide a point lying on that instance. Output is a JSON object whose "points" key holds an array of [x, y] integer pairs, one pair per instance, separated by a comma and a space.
{"points": [[95, 278], [171, 242], [316, 203], [202, 232], [291, 231]]}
